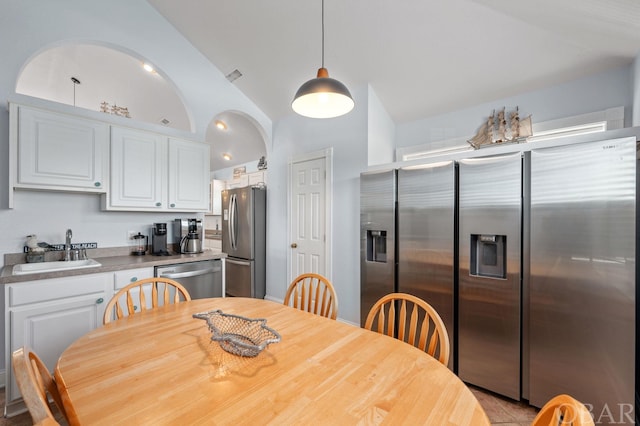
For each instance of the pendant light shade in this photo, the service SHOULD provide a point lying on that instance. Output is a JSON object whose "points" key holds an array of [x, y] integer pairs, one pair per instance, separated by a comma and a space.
{"points": [[322, 97]]}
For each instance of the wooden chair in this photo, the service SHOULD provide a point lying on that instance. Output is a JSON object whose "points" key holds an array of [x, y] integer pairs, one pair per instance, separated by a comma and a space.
{"points": [[35, 382], [313, 293], [424, 324], [135, 299], [563, 410]]}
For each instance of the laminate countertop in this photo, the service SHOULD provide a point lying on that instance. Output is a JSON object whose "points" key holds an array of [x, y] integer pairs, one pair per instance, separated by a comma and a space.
{"points": [[113, 263]]}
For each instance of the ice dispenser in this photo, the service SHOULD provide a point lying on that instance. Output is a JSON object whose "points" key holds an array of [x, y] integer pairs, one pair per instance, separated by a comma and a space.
{"points": [[488, 256], [376, 246]]}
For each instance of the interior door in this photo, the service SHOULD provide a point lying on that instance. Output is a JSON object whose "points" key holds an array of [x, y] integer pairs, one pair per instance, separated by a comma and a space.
{"points": [[307, 217]]}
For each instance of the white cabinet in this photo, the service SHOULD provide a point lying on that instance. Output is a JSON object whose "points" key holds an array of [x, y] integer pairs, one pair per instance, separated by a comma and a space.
{"points": [[248, 179], [150, 172], [138, 170], [215, 201], [238, 182], [126, 277], [258, 178], [58, 151], [48, 315], [188, 175]]}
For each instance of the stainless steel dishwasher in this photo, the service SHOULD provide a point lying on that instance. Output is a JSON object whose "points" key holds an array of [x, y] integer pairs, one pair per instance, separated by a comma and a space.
{"points": [[202, 279]]}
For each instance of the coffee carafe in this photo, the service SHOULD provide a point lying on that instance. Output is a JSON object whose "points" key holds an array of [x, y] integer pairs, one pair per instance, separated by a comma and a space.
{"points": [[189, 235]]}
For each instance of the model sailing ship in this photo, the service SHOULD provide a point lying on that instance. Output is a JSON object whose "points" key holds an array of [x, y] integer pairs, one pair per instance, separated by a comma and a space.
{"points": [[495, 130]]}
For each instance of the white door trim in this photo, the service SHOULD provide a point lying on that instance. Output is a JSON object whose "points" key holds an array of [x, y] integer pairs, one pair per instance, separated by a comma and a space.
{"points": [[327, 154]]}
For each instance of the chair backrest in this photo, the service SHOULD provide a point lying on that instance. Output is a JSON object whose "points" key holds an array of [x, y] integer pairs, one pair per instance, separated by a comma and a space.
{"points": [[35, 382], [137, 296], [563, 410], [422, 327], [313, 293]]}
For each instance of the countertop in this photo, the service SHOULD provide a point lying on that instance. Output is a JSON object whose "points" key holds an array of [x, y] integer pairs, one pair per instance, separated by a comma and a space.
{"points": [[113, 263]]}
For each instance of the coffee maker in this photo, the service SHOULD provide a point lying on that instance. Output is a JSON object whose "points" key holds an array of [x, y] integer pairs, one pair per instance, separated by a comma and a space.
{"points": [[159, 240], [188, 235]]}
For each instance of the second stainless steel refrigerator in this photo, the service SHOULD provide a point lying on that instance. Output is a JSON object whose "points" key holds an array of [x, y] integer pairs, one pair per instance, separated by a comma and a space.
{"points": [[490, 209], [244, 241]]}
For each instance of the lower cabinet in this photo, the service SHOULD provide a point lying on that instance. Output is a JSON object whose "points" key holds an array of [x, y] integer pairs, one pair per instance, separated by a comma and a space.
{"points": [[48, 315]]}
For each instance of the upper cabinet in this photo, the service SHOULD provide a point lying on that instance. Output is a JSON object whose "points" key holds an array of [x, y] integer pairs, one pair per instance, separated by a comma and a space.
{"points": [[58, 151], [150, 172], [138, 170], [188, 175], [134, 169]]}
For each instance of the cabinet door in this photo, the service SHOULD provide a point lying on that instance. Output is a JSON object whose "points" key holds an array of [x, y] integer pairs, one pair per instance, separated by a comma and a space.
{"points": [[258, 178], [188, 175], [138, 170], [48, 329], [238, 182], [57, 151]]}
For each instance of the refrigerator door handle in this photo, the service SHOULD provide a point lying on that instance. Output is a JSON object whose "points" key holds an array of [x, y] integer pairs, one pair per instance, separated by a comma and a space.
{"points": [[232, 221], [238, 262]]}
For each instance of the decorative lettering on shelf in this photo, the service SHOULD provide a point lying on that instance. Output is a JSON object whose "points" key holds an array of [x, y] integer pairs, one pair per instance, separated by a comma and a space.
{"points": [[60, 247]]}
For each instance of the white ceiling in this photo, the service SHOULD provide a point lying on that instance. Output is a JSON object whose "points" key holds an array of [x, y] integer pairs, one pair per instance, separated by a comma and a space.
{"points": [[421, 57]]}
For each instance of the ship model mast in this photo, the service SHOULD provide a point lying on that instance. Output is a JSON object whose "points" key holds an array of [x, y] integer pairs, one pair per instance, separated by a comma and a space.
{"points": [[495, 130]]}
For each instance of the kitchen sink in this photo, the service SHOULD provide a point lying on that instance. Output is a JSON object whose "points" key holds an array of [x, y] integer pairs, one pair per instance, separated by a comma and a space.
{"points": [[42, 267]]}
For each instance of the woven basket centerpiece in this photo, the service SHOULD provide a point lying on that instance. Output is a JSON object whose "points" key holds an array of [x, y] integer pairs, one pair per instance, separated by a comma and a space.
{"points": [[239, 335]]}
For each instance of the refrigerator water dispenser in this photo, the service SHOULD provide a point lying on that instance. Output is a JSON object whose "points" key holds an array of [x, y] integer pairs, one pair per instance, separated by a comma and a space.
{"points": [[376, 246], [488, 256]]}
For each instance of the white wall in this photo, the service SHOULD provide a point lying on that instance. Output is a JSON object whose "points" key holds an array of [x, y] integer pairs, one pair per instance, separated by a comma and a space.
{"points": [[381, 132], [347, 135], [596, 93]]}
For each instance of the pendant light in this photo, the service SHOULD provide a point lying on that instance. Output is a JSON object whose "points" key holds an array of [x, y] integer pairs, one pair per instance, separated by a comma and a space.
{"points": [[322, 97]]}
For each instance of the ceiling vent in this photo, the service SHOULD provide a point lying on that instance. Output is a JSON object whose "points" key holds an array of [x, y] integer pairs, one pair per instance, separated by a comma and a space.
{"points": [[233, 75], [165, 121]]}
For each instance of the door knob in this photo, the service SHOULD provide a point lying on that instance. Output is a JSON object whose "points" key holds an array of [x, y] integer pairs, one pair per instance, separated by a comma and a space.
{"points": [[294, 245]]}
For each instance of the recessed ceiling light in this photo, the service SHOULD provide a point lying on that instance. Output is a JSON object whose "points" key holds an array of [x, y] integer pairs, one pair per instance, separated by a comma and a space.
{"points": [[147, 67], [221, 125], [226, 156]]}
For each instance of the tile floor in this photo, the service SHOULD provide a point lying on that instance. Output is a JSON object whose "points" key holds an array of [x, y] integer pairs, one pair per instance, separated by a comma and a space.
{"points": [[501, 411]]}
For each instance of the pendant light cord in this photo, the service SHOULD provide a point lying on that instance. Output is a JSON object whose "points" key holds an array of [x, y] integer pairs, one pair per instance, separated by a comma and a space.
{"points": [[322, 33]]}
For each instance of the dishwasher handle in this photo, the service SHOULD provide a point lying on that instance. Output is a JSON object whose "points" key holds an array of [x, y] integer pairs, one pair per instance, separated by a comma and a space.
{"points": [[190, 273]]}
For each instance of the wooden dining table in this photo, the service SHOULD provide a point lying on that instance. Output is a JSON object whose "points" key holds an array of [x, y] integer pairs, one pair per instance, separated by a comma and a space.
{"points": [[161, 367]]}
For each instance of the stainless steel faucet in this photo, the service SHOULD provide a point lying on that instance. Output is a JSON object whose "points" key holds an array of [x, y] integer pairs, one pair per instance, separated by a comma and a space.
{"points": [[67, 246]]}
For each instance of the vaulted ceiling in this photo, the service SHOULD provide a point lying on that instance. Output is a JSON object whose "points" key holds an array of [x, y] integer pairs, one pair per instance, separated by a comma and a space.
{"points": [[421, 57]]}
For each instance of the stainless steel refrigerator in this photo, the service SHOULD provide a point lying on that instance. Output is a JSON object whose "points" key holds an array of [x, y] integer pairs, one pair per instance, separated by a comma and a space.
{"points": [[489, 286], [583, 269], [377, 238], [426, 238], [244, 228]]}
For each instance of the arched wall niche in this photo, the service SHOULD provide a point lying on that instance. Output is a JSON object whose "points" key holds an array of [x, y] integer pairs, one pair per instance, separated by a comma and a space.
{"points": [[106, 74], [242, 138]]}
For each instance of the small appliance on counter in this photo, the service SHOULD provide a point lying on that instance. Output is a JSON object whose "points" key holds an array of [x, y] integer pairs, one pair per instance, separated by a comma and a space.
{"points": [[159, 240], [140, 243], [189, 235]]}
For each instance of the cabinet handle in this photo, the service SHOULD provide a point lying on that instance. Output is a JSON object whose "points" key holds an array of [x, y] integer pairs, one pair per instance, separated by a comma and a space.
{"points": [[99, 301], [135, 308], [97, 184], [173, 205], [134, 279], [158, 204]]}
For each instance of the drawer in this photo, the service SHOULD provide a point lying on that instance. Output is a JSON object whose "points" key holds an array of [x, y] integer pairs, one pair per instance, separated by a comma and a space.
{"points": [[56, 288], [126, 277]]}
